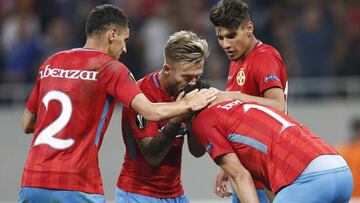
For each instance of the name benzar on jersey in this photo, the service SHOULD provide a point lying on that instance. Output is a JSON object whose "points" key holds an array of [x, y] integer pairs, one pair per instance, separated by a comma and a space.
{"points": [[68, 74]]}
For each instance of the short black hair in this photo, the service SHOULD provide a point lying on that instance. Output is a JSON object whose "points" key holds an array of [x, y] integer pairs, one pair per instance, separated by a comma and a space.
{"points": [[200, 84], [229, 14], [103, 16]]}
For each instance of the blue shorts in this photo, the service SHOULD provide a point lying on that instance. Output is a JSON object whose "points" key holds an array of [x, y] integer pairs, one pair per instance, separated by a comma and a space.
{"points": [[261, 195], [127, 197], [330, 186], [40, 195]]}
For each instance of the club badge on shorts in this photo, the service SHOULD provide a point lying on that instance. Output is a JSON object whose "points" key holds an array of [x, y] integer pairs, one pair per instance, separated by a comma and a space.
{"points": [[241, 78], [140, 122]]}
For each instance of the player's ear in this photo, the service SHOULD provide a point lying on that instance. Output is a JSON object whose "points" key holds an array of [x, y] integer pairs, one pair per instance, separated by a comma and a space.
{"points": [[249, 27], [166, 68], [111, 34]]}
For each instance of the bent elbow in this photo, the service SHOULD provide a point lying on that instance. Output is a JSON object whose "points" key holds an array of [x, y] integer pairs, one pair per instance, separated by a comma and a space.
{"points": [[198, 154], [28, 130], [281, 106], [243, 175]]}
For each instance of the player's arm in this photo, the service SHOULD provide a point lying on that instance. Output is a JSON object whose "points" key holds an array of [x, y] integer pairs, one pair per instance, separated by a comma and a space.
{"points": [[270, 194], [193, 143], [192, 101], [272, 97], [154, 149], [239, 176], [28, 121], [118, 82]]}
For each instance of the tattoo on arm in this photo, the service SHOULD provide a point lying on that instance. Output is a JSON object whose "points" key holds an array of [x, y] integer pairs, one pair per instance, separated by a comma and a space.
{"points": [[157, 147]]}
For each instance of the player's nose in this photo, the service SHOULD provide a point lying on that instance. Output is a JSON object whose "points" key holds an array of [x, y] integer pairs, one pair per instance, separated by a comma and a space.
{"points": [[226, 44]]}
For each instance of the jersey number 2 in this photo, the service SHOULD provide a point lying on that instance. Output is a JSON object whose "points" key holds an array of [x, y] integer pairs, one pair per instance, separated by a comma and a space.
{"points": [[46, 136]]}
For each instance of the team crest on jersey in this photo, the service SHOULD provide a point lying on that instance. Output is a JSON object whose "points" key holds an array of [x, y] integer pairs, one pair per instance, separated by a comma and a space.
{"points": [[131, 77], [241, 78], [140, 122]]}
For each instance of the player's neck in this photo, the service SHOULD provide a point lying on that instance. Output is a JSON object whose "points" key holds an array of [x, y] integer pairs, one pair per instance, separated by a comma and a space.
{"points": [[253, 42], [92, 43], [163, 83]]}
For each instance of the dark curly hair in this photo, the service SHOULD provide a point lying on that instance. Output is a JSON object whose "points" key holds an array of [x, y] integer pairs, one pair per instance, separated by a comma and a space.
{"points": [[229, 14]]}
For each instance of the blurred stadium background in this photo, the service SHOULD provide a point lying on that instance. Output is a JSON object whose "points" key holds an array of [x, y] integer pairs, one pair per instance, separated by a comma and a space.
{"points": [[318, 39]]}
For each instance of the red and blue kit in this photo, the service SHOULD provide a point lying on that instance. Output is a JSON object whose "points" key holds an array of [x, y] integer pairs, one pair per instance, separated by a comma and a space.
{"points": [[137, 176], [262, 69], [73, 100], [273, 147]]}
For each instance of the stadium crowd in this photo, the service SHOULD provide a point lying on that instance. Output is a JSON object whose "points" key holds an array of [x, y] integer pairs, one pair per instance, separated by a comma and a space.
{"points": [[316, 38]]}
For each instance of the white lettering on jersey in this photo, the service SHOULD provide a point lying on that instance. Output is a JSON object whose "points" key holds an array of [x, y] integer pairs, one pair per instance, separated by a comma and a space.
{"points": [[230, 105], [68, 74]]}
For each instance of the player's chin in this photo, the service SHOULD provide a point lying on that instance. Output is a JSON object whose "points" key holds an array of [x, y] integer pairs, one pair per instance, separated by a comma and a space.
{"points": [[233, 57]]}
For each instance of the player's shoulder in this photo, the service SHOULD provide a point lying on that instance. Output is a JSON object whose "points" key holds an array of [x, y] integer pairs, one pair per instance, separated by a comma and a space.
{"points": [[148, 83], [265, 51], [217, 111], [93, 56], [82, 52]]}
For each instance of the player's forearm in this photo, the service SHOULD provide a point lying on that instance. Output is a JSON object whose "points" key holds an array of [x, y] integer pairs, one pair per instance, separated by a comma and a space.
{"points": [[165, 111], [194, 146], [244, 187], [156, 149], [28, 122], [275, 103], [158, 111]]}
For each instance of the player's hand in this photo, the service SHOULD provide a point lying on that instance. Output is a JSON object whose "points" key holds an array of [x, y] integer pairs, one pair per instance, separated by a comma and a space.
{"points": [[198, 100], [221, 188]]}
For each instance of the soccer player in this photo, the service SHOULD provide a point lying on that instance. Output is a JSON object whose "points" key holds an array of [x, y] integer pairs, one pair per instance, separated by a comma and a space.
{"points": [[251, 142], [152, 163], [70, 108], [256, 70]]}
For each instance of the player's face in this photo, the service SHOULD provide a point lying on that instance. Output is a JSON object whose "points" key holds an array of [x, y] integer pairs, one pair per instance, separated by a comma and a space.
{"points": [[237, 42], [182, 74], [118, 43]]}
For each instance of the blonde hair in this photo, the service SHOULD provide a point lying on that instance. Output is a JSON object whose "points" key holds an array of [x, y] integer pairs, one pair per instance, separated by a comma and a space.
{"points": [[186, 46]]}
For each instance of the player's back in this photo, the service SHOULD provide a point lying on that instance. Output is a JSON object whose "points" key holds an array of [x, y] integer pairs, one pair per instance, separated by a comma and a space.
{"points": [[262, 133], [268, 136], [73, 109]]}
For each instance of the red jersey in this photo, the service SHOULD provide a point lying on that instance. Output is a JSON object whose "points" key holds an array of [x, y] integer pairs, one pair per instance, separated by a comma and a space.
{"points": [[137, 176], [73, 100], [273, 147], [262, 69]]}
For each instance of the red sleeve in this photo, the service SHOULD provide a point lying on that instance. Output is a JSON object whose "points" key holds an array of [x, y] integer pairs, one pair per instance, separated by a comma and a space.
{"points": [[33, 102], [270, 71], [206, 128], [140, 127], [118, 82], [258, 184]]}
